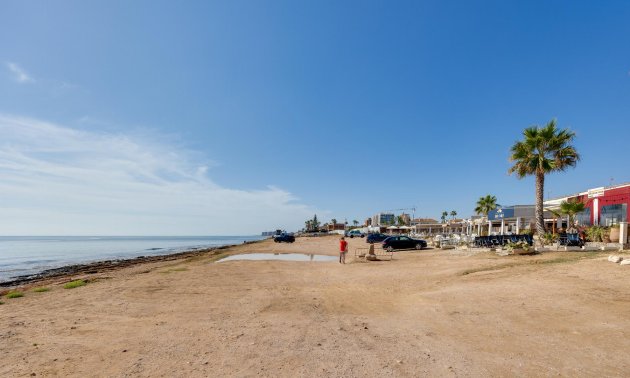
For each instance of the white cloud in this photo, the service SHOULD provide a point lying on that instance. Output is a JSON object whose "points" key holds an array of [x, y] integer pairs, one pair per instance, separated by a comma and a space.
{"points": [[56, 180], [19, 74]]}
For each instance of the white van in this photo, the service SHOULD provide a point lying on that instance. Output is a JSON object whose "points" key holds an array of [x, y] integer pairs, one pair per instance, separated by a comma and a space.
{"points": [[355, 232]]}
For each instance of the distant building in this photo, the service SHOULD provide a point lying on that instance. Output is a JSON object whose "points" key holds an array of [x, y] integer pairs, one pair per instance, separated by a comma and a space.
{"points": [[336, 227], [406, 219], [423, 221], [368, 222], [383, 219]]}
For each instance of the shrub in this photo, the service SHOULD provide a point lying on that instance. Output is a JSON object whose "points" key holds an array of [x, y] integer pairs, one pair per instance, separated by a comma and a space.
{"points": [[74, 284], [596, 233], [15, 294], [518, 245], [549, 238], [40, 289]]}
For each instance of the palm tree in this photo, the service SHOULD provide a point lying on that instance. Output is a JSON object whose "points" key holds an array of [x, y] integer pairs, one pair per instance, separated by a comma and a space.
{"points": [[333, 221], [355, 222], [444, 215], [556, 214], [486, 204], [571, 209], [543, 150], [453, 214]]}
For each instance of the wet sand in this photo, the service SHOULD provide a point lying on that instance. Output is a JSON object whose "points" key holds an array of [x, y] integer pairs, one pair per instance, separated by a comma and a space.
{"points": [[426, 313]]}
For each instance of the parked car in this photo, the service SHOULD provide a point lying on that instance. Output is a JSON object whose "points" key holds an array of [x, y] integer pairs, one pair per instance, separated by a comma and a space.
{"points": [[287, 238], [376, 238], [403, 242], [353, 233]]}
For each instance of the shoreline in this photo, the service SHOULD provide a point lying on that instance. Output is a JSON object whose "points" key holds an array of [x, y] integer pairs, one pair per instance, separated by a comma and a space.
{"points": [[430, 312], [102, 266]]}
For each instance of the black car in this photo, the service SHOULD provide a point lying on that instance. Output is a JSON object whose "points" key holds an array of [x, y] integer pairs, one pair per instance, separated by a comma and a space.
{"points": [[402, 242], [376, 238], [287, 238]]}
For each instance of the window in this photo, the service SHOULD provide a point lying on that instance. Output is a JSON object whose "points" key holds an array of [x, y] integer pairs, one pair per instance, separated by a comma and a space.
{"points": [[613, 214], [584, 218]]}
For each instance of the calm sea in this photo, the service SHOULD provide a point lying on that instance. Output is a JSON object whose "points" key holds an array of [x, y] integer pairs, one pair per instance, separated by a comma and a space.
{"points": [[21, 255]]}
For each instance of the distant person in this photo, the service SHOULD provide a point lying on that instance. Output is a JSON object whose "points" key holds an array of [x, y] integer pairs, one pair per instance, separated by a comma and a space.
{"points": [[343, 249]]}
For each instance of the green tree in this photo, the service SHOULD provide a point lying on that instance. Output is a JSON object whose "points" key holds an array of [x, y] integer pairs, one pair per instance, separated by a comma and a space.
{"points": [[486, 204], [444, 215], [453, 214], [556, 214], [315, 222], [333, 221], [312, 224], [543, 150], [355, 222], [571, 209]]}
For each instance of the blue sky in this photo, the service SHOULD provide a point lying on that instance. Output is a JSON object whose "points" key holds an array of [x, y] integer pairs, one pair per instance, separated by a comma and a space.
{"points": [[234, 117]]}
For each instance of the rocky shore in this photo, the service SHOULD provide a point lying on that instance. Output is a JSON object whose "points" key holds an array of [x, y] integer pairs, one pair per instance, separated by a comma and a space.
{"points": [[105, 266]]}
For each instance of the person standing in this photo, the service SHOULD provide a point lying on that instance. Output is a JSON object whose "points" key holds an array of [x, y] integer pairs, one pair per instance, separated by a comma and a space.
{"points": [[343, 249]]}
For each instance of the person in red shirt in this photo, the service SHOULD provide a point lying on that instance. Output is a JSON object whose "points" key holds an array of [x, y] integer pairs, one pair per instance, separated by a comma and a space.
{"points": [[343, 249]]}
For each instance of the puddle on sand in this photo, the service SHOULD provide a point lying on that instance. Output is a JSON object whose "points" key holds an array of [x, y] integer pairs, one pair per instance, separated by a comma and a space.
{"points": [[280, 256]]}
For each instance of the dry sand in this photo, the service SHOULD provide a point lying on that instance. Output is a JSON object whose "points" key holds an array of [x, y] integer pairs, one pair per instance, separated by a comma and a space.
{"points": [[426, 313]]}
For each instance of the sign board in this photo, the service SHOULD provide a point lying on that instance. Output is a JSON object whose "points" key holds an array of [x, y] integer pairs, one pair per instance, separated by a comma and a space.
{"points": [[501, 213], [597, 192]]}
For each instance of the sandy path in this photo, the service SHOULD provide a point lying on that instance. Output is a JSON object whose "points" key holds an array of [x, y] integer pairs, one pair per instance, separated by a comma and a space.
{"points": [[418, 315]]}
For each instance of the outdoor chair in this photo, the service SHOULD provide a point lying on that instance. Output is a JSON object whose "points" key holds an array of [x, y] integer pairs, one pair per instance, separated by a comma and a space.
{"points": [[562, 239], [482, 241], [574, 240], [477, 241], [495, 241], [487, 241]]}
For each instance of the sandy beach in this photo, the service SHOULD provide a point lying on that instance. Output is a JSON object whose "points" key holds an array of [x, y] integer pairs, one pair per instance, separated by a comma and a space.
{"points": [[426, 313]]}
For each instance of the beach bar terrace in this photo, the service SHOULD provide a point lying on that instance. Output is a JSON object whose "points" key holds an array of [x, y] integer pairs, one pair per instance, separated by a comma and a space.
{"points": [[431, 227], [509, 220]]}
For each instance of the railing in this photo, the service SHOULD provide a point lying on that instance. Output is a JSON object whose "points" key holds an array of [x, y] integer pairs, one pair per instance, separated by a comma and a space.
{"points": [[493, 241], [363, 252]]}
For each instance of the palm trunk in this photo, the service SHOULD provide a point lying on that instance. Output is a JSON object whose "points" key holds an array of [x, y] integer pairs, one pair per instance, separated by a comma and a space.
{"points": [[540, 220]]}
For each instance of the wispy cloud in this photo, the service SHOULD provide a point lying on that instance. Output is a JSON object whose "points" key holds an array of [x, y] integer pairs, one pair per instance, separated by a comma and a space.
{"points": [[59, 180], [19, 74]]}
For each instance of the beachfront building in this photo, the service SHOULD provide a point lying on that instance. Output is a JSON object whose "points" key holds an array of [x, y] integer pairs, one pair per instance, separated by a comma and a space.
{"points": [[605, 206], [431, 227], [383, 219], [506, 220], [335, 227]]}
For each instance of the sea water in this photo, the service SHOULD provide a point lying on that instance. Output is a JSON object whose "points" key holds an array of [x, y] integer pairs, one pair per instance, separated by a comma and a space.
{"points": [[25, 255]]}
